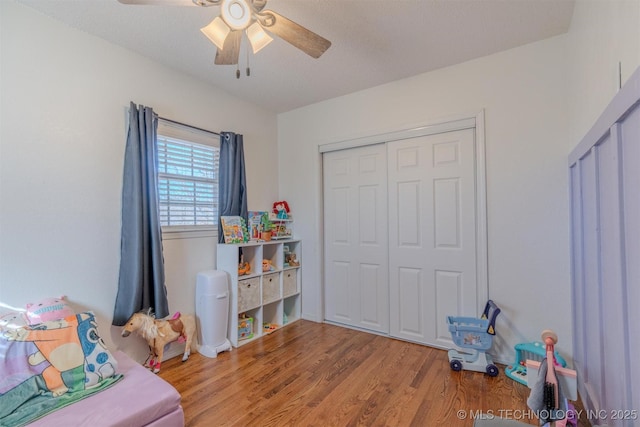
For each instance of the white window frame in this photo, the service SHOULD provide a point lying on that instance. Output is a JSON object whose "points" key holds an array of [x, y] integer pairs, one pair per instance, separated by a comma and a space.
{"points": [[188, 134]]}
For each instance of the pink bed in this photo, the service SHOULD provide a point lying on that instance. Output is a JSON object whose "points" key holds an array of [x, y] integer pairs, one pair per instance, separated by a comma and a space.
{"points": [[140, 398]]}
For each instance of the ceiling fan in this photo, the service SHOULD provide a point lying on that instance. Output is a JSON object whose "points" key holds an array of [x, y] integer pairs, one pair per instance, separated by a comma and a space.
{"points": [[250, 17]]}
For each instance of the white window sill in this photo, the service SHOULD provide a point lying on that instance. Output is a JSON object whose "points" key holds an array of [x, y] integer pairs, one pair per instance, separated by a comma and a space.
{"points": [[173, 233]]}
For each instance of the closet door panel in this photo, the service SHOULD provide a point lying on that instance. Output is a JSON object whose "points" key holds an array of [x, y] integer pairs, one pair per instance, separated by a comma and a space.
{"points": [[432, 234], [410, 296], [372, 313], [411, 284], [408, 196], [449, 296], [355, 209], [339, 293], [446, 194], [339, 274]]}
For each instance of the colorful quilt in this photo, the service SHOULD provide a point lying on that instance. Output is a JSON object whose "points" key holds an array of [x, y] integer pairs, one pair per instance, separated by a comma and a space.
{"points": [[50, 365]]}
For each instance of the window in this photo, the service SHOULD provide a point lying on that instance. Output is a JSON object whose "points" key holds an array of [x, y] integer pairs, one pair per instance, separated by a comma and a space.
{"points": [[188, 161]]}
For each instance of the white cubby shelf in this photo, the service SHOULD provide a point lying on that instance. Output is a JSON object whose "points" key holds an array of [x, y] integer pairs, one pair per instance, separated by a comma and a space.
{"points": [[267, 296]]}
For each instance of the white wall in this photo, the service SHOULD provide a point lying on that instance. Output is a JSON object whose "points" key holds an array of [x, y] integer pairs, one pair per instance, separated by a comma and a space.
{"points": [[602, 34], [539, 100], [64, 100], [522, 93]]}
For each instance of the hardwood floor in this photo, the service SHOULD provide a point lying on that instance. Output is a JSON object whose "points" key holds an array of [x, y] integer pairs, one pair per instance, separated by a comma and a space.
{"points": [[311, 374]]}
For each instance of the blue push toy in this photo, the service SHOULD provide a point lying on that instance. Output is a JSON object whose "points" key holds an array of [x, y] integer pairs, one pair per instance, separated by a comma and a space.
{"points": [[477, 336], [529, 351]]}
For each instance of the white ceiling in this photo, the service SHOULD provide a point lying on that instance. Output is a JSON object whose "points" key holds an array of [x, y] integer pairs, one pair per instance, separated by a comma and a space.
{"points": [[373, 41]]}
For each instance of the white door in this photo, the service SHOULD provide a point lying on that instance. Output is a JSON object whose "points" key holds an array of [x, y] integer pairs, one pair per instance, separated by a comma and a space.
{"points": [[432, 234], [400, 236], [355, 242]]}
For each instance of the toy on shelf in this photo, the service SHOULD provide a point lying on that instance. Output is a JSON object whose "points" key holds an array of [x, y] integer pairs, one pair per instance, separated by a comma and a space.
{"points": [[245, 327], [269, 327], [534, 351], [281, 231], [267, 265], [266, 227], [281, 209], [244, 269], [255, 224], [291, 260], [281, 217], [234, 229], [477, 336]]}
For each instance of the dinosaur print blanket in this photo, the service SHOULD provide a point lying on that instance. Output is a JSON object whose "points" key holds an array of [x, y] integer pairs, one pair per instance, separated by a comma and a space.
{"points": [[51, 365]]}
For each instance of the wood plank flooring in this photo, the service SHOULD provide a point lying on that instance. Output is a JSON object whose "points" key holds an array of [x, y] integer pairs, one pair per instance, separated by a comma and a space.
{"points": [[312, 374]]}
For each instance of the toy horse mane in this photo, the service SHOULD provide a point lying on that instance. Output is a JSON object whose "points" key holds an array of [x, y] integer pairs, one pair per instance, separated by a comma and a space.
{"points": [[149, 327]]}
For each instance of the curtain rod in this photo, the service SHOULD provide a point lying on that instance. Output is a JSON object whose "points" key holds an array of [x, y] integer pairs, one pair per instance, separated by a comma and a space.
{"points": [[184, 124]]}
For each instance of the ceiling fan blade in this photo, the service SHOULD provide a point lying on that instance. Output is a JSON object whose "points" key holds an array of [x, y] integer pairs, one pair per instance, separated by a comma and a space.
{"points": [[158, 2], [306, 40], [231, 49]]}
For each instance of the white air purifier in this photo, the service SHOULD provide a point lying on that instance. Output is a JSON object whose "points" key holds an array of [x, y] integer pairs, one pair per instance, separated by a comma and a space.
{"points": [[212, 312]]}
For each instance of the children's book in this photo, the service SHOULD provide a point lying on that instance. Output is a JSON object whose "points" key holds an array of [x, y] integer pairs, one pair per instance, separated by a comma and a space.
{"points": [[254, 224], [233, 228]]}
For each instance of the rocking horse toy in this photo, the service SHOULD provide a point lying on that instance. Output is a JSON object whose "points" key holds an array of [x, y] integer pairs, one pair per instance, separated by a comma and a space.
{"points": [[159, 333]]}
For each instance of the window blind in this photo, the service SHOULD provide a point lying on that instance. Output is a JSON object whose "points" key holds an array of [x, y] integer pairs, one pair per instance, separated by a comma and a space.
{"points": [[187, 182]]}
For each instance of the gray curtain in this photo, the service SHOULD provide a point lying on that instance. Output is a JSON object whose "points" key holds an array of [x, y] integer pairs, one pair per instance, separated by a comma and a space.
{"points": [[141, 282], [232, 183]]}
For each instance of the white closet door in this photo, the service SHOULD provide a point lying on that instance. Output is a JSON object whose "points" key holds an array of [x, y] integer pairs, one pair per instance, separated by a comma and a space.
{"points": [[356, 257], [432, 234]]}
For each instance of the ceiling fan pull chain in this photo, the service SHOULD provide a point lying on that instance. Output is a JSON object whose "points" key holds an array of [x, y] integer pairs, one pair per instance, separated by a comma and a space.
{"points": [[239, 54], [248, 69]]}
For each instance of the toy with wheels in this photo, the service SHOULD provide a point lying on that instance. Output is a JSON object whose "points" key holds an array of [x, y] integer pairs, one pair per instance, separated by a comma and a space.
{"points": [[529, 351], [476, 335]]}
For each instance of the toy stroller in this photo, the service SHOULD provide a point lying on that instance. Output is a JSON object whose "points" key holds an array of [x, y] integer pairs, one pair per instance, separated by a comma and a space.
{"points": [[476, 335]]}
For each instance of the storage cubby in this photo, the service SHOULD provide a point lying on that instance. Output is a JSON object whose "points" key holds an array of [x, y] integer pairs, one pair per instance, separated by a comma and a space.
{"points": [[271, 288], [290, 282], [260, 295], [248, 294], [248, 326], [291, 255], [291, 268], [271, 253], [249, 254], [290, 309], [272, 317]]}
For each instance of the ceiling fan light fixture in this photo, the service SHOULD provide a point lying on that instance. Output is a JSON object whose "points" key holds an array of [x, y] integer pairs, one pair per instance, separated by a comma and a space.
{"points": [[236, 13], [216, 31], [239, 17], [257, 37]]}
